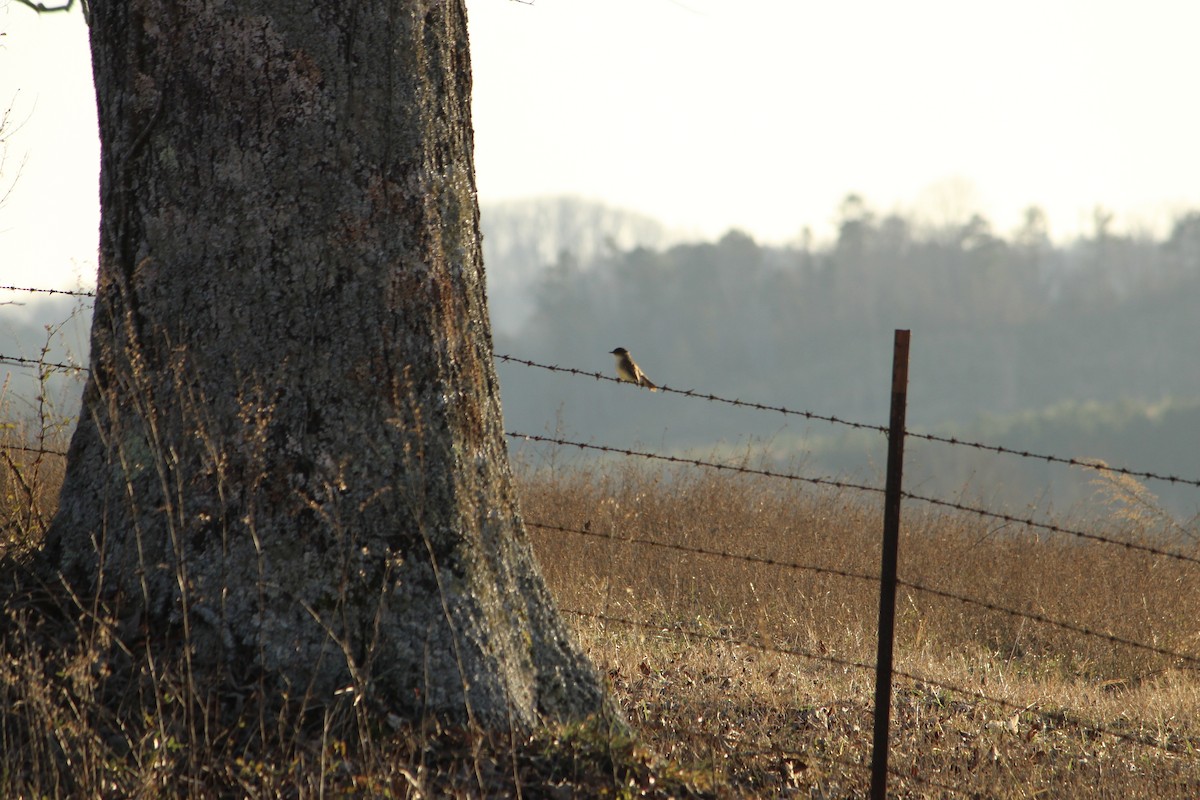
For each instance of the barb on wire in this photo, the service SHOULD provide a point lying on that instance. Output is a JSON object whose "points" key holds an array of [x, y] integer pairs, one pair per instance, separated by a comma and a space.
{"points": [[47, 291], [1054, 716], [532, 437], [701, 395], [984, 604], [33, 362], [1048, 526], [1051, 459]]}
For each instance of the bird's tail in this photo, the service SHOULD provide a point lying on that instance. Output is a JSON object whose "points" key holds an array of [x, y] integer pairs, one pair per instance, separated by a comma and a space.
{"points": [[646, 382]]}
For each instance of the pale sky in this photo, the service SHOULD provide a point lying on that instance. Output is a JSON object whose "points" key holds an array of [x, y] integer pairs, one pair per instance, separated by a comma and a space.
{"points": [[756, 114]]}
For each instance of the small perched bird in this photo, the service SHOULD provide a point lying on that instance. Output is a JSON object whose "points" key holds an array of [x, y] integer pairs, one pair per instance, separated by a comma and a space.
{"points": [[628, 370]]}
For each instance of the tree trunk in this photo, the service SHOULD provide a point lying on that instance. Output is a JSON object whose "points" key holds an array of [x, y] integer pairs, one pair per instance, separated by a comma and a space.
{"points": [[290, 458]]}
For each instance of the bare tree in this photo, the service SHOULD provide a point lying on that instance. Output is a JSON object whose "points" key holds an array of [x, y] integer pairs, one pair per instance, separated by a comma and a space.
{"points": [[290, 460]]}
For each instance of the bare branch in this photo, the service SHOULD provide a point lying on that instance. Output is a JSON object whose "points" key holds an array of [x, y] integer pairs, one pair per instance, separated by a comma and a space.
{"points": [[42, 8]]}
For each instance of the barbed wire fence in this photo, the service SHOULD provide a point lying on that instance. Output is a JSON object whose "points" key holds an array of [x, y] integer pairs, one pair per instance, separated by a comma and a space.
{"points": [[880, 767], [1178, 657], [883, 429]]}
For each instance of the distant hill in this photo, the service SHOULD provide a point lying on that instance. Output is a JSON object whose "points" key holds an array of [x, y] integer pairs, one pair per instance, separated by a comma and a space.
{"points": [[1082, 349]]}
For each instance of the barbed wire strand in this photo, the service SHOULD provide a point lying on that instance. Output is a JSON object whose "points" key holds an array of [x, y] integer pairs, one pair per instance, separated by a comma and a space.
{"points": [[703, 551], [701, 395], [33, 362], [1026, 521], [1049, 526], [1186, 743], [837, 661], [1077, 462], [1033, 616], [39, 450], [1052, 459], [964, 599], [1067, 717], [47, 291], [1074, 462], [533, 437]]}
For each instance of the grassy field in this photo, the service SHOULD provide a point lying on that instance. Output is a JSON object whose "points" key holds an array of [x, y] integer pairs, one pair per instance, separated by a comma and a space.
{"points": [[743, 665], [735, 618]]}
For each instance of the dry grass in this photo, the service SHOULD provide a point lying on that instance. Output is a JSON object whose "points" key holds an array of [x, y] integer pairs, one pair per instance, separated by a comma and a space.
{"points": [[29, 477], [95, 705], [741, 673], [741, 668]]}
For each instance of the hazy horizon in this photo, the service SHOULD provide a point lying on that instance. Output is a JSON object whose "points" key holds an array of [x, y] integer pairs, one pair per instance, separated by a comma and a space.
{"points": [[759, 117]]}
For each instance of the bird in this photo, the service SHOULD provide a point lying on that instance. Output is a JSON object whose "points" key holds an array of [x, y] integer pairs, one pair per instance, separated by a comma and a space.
{"points": [[628, 370]]}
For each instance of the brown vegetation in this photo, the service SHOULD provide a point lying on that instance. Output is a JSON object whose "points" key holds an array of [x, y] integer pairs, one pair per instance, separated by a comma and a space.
{"points": [[754, 667], [735, 617]]}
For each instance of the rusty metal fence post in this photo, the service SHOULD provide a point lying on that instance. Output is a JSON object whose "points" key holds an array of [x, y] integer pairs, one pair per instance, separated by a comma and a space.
{"points": [[887, 584]]}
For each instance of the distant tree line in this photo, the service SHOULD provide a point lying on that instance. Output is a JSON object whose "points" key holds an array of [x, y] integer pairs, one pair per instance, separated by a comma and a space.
{"points": [[1001, 323]]}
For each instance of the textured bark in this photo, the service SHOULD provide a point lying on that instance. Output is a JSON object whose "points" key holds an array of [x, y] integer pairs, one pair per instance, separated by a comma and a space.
{"points": [[291, 453]]}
